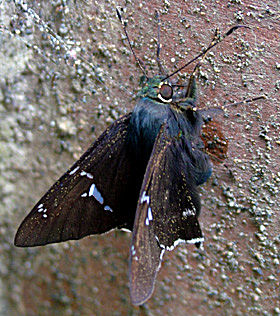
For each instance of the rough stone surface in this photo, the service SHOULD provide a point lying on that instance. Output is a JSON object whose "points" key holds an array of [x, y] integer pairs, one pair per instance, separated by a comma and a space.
{"points": [[67, 75]]}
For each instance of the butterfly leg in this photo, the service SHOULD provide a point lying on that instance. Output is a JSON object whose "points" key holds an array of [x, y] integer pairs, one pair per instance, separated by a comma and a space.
{"points": [[189, 95], [191, 91]]}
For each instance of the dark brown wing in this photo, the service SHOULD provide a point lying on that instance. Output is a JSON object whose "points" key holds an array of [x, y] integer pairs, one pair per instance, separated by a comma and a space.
{"points": [[166, 213], [92, 197]]}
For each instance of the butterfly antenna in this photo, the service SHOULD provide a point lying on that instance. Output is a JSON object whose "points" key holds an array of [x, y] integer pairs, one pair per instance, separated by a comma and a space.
{"points": [[129, 42], [220, 109], [191, 85], [160, 67], [262, 97], [213, 43], [197, 66], [214, 40]]}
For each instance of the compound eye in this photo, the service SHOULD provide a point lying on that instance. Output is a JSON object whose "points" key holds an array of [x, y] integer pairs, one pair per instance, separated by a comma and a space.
{"points": [[165, 93]]}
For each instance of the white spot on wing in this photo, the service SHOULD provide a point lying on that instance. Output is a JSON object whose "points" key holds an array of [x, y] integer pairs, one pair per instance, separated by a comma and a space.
{"points": [[40, 206], [95, 193], [40, 210], [150, 215], [74, 170], [84, 195], [126, 230], [89, 175], [145, 198], [133, 251], [108, 208], [188, 212], [45, 215]]}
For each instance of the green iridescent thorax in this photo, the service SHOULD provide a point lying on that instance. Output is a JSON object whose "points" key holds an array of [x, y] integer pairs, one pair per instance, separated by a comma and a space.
{"points": [[151, 88]]}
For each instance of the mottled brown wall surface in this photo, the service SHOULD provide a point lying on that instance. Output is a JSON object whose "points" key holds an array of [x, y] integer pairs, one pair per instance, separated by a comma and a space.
{"points": [[51, 111]]}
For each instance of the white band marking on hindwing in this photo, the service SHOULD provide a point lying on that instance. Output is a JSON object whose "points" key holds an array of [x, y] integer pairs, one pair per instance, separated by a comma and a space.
{"points": [[190, 241]]}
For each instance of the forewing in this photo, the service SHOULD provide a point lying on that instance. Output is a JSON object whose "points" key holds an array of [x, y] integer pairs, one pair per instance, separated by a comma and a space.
{"points": [[92, 197], [166, 213]]}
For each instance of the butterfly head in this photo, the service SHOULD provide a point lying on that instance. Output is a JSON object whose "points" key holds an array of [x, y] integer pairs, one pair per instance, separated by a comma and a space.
{"points": [[164, 91], [157, 90]]}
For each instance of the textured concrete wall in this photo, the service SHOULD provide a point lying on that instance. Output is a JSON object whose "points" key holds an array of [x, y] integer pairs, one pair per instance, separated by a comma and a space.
{"points": [[51, 110]]}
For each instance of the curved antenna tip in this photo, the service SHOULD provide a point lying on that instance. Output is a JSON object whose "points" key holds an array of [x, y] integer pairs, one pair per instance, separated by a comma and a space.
{"points": [[235, 28], [119, 15]]}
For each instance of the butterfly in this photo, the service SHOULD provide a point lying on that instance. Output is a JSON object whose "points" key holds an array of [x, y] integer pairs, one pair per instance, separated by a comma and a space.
{"points": [[141, 174]]}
